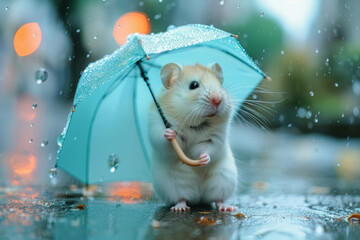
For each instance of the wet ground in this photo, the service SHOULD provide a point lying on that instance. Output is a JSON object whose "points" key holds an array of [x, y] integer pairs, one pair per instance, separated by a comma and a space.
{"points": [[293, 186], [286, 193]]}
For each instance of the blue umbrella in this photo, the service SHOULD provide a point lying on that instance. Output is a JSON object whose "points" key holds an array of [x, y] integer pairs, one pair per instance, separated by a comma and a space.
{"points": [[105, 138]]}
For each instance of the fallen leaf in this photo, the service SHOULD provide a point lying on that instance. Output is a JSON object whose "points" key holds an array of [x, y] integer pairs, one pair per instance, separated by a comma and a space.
{"points": [[205, 221], [239, 216], [80, 206], [354, 218]]}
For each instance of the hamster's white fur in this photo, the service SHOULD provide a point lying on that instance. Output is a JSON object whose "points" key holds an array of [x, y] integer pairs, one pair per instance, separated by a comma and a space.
{"points": [[201, 127]]}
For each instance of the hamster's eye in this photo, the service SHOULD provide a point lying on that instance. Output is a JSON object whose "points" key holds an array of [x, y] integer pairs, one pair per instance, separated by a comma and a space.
{"points": [[193, 85]]}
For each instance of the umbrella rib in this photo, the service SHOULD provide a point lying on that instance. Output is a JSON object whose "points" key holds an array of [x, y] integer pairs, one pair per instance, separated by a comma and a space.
{"points": [[138, 129]]}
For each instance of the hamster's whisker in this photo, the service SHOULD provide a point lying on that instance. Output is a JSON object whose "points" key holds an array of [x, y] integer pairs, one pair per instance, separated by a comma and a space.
{"points": [[256, 117]]}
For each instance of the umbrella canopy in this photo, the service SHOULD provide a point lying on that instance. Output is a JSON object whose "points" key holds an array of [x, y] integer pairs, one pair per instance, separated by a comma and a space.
{"points": [[105, 138]]}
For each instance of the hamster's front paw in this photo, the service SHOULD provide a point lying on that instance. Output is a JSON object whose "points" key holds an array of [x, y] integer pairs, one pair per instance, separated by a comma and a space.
{"points": [[180, 207], [169, 134], [204, 159]]}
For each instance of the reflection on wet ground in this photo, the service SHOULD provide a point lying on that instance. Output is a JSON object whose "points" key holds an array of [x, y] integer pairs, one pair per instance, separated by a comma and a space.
{"points": [[131, 211], [292, 187]]}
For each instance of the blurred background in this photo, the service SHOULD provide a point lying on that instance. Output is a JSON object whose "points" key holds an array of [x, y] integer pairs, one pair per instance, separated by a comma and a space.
{"points": [[308, 116]]}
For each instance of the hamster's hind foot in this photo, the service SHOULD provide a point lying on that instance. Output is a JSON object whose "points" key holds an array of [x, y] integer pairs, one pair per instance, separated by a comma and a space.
{"points": [[223, 207], [180, 207]]}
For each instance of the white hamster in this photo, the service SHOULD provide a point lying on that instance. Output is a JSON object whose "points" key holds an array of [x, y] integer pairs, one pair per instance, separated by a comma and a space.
{"points": [[200, 111]]}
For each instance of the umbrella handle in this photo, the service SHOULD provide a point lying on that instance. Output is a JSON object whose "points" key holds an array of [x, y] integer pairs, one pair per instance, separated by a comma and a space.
{"points": [[182, 156]]}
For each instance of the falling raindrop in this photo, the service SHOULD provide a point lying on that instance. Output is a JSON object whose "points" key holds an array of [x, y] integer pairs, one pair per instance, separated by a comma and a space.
{"points": [[289, 125], [311, 93], [113, 162], [31, 140], [319, 31], [282, 52], [41, 75], [78, 30], [342, 115], [338, 164], [316, 51], [221, 2], [301, 112], [87, 55], [52, 173], [44, 143], [262, 14], [34, 105], [336, 84], [157, 16], [356, 111]]}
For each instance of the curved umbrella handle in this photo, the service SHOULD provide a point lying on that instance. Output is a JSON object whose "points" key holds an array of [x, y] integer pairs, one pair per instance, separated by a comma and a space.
{"points": [[182, 156]]}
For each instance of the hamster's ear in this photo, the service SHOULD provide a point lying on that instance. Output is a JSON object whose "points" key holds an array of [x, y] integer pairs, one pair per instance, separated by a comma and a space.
{"points": [[218, 72], [169, 74]]}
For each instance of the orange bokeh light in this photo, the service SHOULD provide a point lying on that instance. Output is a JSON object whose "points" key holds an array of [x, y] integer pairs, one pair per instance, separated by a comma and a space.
{"points": [[129, 193], [23, 164], [132, 22], [27, 39]]}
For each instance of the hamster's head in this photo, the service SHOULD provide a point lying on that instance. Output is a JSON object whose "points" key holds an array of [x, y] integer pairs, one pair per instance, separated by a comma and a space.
{"points": [[195, 93]]}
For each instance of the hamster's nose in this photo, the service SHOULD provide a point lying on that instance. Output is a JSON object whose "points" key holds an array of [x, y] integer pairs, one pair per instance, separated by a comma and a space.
{"points": [[215, 100]]}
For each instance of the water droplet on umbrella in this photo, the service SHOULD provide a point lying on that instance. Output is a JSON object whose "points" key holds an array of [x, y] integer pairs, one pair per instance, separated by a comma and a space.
{"points": [[96, 37], [338, 164], [87, 55], [311, 93], [316, 51], [282, 52], [60, 140], [160, 1], [44, 143], [141, 4], [31, 140], [31, 124], [119, 26], [170, 27], [52, 173], [157, 16], [316, 120], [34, 105], [319, 31], [75, 138], [262, 14], [289, 125], [221, 2], [336, 84], [342, 115], [113, 162], [78, 30], [41, 75], [6, 8]]}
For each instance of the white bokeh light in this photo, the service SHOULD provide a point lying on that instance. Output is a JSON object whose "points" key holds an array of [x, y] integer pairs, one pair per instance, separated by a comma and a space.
{"points": [[296, 16]]}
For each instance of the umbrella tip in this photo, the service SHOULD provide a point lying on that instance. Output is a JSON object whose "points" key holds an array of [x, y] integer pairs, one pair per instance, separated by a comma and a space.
{"points": [[267, 78], [235, 36], [73, 108], [147, 57]]}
